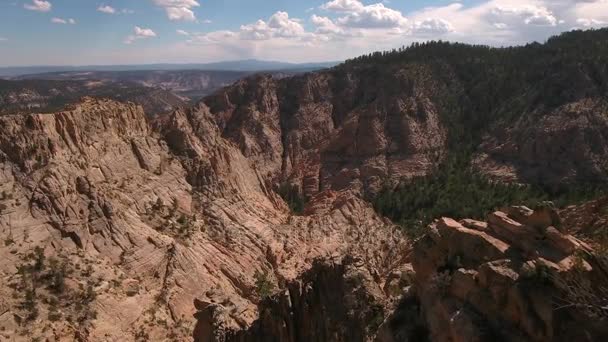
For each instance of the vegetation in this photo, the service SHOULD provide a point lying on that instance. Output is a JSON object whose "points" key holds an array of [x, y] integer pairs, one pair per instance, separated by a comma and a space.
{"points": [[169, 220], [41, 283], [454, 189], [483, 85], [264, 287], [292, 196]]}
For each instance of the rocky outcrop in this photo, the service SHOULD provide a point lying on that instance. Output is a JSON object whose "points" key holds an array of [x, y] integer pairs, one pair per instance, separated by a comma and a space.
{"points": [[514, 278], [334, 130], [143, 219], [336, 300]]}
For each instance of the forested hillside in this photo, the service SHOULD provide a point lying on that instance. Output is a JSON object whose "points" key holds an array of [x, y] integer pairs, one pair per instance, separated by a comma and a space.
{"points": [[500, 87]]}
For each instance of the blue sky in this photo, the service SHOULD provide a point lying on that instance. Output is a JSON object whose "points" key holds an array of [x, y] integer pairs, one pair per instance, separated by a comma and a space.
{"points": [[80, 32]]}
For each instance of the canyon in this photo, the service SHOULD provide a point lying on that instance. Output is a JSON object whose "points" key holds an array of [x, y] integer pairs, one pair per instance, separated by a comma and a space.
{"points": [[119, 225]]}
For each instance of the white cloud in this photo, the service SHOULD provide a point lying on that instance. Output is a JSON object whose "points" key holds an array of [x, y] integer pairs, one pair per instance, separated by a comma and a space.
{"points": [[2, 39], [529, 14], [279, 25], [127, 11], [284, 26], [38, 5], [358, 15], [325, 25], [343, 6], [63, 21], [182, 32], [178, 9], [144, 32], [432, 26], [343, 30], [585, 22], [140, 33], [106, 9], [206, 21]]}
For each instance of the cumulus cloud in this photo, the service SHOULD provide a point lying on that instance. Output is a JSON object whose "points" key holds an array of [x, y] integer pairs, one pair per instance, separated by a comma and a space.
{"points": [[358, 15], [530, 14], [106, 9], [182, 32], [38, 5], [325, 25], [140, 33], [178, 9], [343, 6], [63, 21], [279, 25], [432, 26]]}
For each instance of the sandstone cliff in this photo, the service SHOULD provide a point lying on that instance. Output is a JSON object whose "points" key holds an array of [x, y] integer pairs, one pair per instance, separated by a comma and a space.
{"points": [[516, 277], [334, 130], [134, 222]]}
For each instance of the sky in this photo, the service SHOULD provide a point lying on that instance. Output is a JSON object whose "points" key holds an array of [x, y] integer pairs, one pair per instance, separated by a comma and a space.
{"points": [[92, 32]]}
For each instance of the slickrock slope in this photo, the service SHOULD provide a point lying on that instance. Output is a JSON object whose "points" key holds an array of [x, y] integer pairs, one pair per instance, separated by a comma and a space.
{"points": [[134, 222], [516, 277]]}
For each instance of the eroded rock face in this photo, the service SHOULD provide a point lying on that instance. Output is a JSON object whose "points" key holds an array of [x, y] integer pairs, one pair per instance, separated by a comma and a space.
{"points": [[509, 280], [334, 130], [148, 218], [336, 300]]}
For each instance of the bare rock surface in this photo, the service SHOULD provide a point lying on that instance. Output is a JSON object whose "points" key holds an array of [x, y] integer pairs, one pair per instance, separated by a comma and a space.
{"points": [[511, 279], [134, 221], [334, 130]]}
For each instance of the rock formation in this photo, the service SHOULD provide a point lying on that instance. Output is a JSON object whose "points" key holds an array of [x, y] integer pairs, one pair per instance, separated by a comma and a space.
{"points": [[326, 130], [516, 277], [137, 221]]}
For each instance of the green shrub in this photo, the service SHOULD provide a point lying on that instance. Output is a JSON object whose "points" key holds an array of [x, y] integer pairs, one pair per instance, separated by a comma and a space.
{"points": [[454, 190], [292, 196], [264, 287]]}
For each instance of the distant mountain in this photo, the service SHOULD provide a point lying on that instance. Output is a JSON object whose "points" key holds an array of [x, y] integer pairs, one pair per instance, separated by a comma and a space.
{"points": [[250, 65]]}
